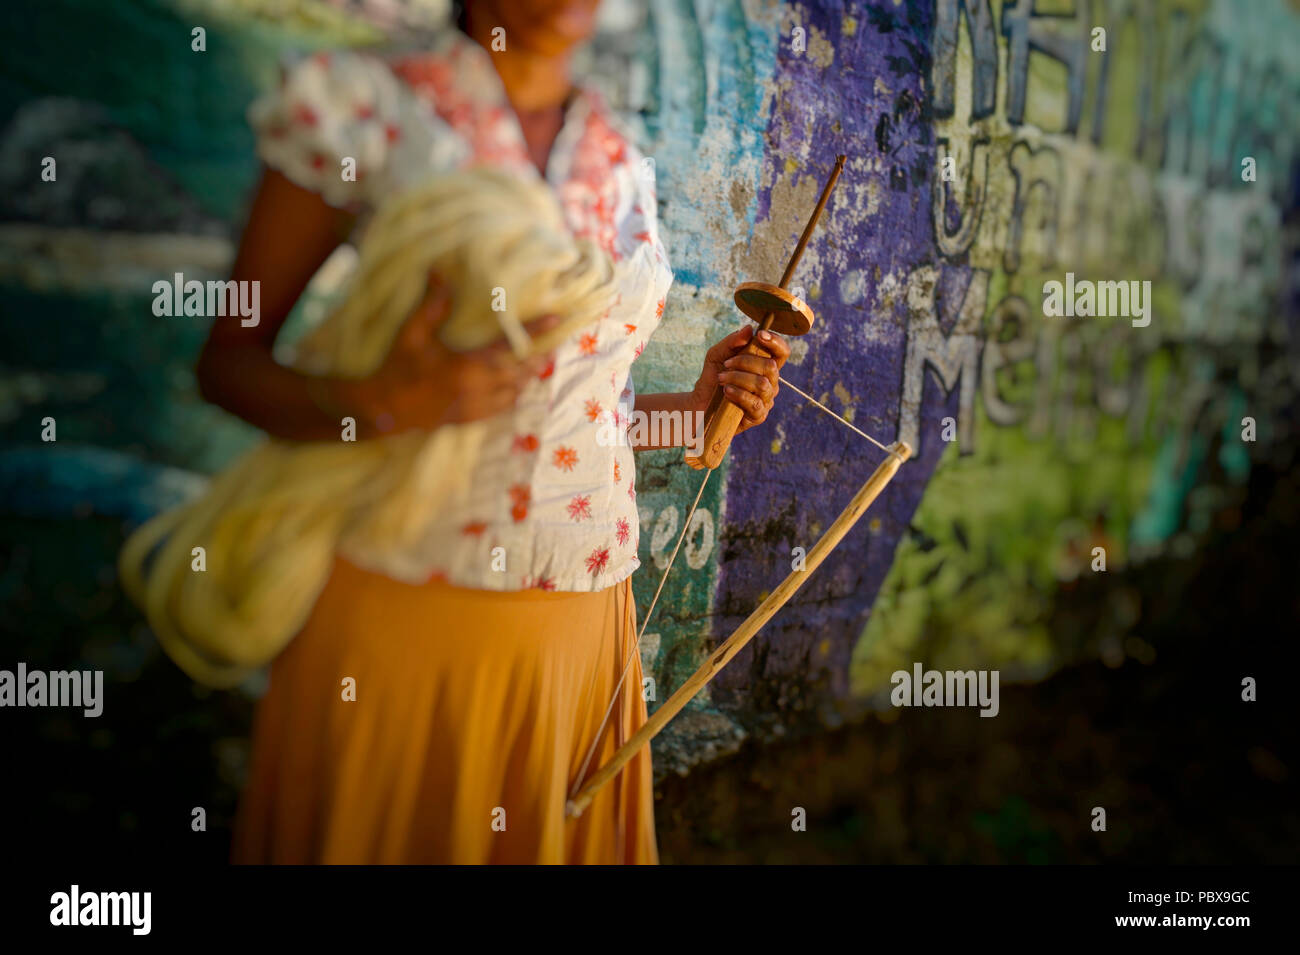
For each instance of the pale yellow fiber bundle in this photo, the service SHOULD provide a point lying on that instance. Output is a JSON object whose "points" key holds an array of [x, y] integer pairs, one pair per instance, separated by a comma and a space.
{"points": [[270, 523]]}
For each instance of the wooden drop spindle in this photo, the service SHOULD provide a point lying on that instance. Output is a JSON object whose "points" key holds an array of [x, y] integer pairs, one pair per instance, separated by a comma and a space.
{"points": [[723, 417]]}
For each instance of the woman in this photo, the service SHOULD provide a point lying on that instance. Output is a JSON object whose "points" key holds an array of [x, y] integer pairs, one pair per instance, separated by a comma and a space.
{"points": [[480, 661]]}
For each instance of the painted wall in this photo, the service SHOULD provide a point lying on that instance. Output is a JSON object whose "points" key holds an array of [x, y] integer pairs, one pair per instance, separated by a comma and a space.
{"points": [[1068, 433], [1122, 164]]}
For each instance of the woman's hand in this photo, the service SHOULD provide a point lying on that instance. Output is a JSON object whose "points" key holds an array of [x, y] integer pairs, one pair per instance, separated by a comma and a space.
{"points": [[423, 384], [749, 381]]}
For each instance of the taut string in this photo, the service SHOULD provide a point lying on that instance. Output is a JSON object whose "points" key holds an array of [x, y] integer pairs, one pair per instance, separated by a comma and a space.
{"points": [[686, 526]]}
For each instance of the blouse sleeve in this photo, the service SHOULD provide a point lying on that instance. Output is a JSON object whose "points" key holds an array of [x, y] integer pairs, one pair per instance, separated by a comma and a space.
{"points": [[344, 126]]}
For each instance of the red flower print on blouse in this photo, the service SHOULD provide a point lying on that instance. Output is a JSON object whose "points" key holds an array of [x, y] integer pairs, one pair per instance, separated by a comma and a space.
{"points": [[624, 531], [483, 123], [540, 583], [580, 508], [564, 458], [590, 195], [547, 371], [587, 344], [364, 111], [608, 140], [618, 472], [606, 234], [592, 409], [520, 497], [427, 71], [630, 328], [659, 309], [597, 560], [302, 113], [474, 529], [639, 349], [631, 490], [592, 156], [524, 442], [434, 78]]}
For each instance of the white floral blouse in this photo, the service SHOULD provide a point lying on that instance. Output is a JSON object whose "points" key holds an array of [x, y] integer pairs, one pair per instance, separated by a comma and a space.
{"points": [[559, 504]]}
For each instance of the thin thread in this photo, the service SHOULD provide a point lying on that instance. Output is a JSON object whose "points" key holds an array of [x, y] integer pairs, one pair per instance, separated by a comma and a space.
{"points": [[848, 424], [892, 451], [600, 730]]}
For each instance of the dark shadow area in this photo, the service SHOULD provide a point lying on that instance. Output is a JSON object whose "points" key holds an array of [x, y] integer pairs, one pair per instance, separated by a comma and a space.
{"points": [[1186, 771]]}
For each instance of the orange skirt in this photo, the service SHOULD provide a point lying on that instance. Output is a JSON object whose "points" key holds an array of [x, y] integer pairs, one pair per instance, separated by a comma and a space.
{"points": [[473, 712]]}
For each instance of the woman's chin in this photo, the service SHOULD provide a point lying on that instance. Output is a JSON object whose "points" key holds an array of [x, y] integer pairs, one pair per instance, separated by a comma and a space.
{"points": [[562, 31], [554, 42]]}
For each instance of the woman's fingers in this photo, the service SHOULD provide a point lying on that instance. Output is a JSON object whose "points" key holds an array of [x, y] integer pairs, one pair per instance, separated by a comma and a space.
{"points": [[754, 394], [500, 353], [752, 381], [503, 362], [418, 337], [754, 407], [776, 346], [483, 392], [476, 407], [757, 385], [491, 372], [755, 365], [733, 343], [530, 368], [540, 326], [488, 381], [754, 374]]}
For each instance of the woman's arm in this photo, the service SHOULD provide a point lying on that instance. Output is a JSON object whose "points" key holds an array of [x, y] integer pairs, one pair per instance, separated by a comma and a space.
{"points": [[420, 385], [749, 381], [290, 232], [672, 420]]}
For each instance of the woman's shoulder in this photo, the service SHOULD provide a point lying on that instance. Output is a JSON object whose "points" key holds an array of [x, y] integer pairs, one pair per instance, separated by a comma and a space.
{"points": [[344, 123]]}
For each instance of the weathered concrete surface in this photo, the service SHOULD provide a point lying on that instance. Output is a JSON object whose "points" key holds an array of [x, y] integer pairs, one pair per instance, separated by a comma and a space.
{"points": [[858, 90], [1117, 164]]}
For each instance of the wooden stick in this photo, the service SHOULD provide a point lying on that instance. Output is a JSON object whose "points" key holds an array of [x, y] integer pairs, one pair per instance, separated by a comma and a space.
{"points": [[721, 425], [899, 452], [793, 262]]}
